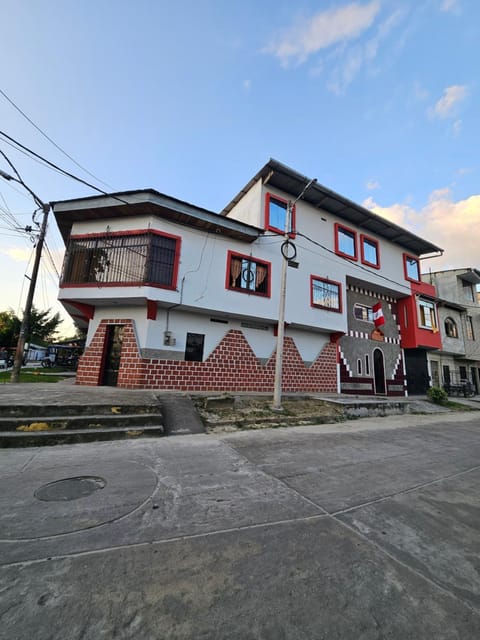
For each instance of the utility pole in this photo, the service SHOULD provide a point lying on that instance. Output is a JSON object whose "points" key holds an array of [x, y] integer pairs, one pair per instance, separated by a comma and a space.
{"points": [[25, 325], [277, 387]]}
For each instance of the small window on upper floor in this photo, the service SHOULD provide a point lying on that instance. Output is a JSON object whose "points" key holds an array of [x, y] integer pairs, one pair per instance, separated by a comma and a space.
{"points": [[411, 267], [427, 315], [362, 312], [276, 214], [369, 251], [325, 294], [451, 330], [247, 274], [469, 326], [468, 291], [345, 242]]}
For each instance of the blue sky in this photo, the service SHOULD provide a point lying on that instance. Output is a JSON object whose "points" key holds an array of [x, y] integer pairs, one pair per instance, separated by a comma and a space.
{"points": [[377, 99]]}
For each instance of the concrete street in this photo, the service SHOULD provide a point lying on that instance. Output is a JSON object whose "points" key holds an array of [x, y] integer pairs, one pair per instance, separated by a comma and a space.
{"points": [[364, 530]]}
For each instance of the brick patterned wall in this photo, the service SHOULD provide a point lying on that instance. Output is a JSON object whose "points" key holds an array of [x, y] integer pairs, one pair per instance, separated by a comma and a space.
{"points": [[232, 366], [393, 384]]}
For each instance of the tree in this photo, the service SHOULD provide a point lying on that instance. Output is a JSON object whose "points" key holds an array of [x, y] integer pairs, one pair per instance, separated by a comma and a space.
{"points": [[43, 326], [9, 329]]}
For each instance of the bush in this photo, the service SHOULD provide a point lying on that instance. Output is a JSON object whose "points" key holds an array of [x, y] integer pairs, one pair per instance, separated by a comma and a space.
{"points": [[437, 395]]}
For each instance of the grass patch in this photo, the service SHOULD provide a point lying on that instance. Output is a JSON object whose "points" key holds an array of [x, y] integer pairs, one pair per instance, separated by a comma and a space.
{"points": [[31, 376]]}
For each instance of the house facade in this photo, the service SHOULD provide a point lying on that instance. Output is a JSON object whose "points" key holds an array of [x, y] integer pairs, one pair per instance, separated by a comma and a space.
{"points": [[459, 324], [179, 297]]}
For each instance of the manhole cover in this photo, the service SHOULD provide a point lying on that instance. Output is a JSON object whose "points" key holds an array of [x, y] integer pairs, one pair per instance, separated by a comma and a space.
{"points": [[69, 488]]}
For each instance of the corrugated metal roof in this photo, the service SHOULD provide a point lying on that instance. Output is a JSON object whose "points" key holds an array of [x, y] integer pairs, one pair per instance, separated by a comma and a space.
{"points": [[148, 201], [291, 182]]}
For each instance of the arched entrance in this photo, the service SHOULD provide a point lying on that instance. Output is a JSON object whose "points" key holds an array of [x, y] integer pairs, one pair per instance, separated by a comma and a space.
{"points": [[379, 372]]}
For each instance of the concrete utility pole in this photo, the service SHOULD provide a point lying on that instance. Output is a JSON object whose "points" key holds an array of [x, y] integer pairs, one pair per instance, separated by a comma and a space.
{"points": [[277, 387], [17, 364]]}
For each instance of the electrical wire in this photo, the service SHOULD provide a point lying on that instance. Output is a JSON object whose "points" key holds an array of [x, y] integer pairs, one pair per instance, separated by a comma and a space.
{"points": [[50, 257], [57, 168], [353, 264], [50, 139]]}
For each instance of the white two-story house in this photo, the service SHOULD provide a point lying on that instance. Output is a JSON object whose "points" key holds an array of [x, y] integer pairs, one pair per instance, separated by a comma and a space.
{"points": [[178, 297]]}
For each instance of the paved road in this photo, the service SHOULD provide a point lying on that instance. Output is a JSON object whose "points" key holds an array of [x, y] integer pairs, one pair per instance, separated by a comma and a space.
{"points": [[361, 531]]}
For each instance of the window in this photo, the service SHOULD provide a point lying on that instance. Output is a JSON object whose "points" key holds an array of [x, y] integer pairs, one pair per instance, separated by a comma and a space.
{"points": [[468, 291], [325, 294], [362, 312], [276, 214], [246, 274], [116, 258], [367, 365], [427, 315], [369, 252], [359, 367], [345, 242], [194, 347], [451, 328], [469, 323], [411, 268], [446, 374]]}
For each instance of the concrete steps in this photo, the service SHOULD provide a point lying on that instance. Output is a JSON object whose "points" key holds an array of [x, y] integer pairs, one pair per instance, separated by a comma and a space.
{"points": [[32, 426]]}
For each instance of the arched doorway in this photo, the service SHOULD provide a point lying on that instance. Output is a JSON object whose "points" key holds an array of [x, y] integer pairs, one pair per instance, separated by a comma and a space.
{"points": [[379, 372]]}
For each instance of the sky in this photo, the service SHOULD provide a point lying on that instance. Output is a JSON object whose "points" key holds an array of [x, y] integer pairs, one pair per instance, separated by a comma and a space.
{"points": [[378, 100]]}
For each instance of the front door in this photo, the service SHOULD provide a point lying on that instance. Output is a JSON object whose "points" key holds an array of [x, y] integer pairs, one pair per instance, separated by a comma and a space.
{"points": [[416, 368], [379, 372], [113, 351]]}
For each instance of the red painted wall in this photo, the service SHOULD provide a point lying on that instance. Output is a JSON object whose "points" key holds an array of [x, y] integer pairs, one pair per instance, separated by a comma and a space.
{"points": [[414, 336], [232, 366]]}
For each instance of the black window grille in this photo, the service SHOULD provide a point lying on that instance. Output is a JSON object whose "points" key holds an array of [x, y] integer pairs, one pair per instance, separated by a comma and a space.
{"points": [[141, 258]]}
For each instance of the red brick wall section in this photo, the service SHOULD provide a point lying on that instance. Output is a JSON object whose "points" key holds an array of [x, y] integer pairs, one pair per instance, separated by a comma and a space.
{"points": [[232, 366]]}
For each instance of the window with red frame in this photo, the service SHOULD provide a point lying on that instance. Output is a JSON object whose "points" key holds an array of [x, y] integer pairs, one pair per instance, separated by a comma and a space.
{"points": [[369, 251], [345, 242], [117, 258], [411, 267], [276, 214], [325, 294], [248, 275]]}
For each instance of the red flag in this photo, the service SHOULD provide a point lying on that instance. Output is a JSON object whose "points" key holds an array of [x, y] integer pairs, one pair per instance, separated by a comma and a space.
{"points": [[378, 318]]}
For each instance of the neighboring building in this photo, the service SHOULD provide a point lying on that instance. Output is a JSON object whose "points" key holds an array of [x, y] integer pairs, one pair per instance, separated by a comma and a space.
{"points": [[459, 324], [178, 297]]}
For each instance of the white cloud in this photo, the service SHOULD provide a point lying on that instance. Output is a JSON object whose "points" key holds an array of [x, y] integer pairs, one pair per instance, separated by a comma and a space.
{"points": [[323, 30], [18, 254], [450, 6], [446, 223], [457, 127], [352, 59], [452, 97], [372, 184]]}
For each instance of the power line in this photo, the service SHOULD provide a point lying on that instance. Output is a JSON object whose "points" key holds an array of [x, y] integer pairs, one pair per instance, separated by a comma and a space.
{"points": [[354, 264], [57, 168], [50, 139]]}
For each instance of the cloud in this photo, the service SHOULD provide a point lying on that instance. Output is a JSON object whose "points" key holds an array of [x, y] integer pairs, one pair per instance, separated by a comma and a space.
{"points": [[348, 60], [448, 103], [450, 6], [446, 223], [457, 127], [372, 184], [323, 30], [247, 85], [18, 254]]}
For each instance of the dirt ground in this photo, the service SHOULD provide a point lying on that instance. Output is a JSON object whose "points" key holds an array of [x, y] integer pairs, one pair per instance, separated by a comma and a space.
{"points": [[233, 413]]}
